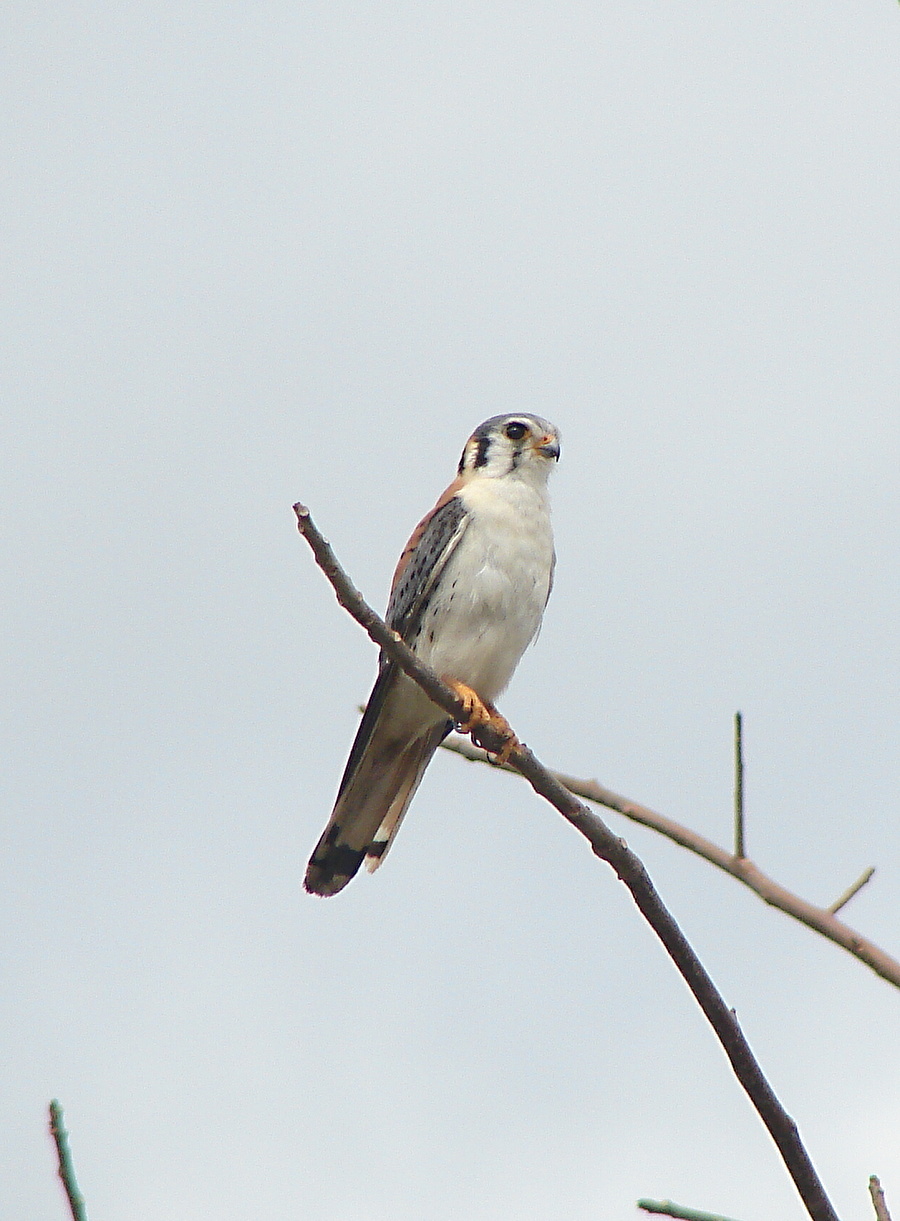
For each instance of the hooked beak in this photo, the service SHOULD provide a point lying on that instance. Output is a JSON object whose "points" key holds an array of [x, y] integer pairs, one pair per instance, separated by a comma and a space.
{"points": [[548, 445]]}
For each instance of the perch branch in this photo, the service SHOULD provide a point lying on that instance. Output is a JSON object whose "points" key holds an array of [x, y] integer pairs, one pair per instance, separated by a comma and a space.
{"points": [[66, 1169], [821, 919], [628, 867]]}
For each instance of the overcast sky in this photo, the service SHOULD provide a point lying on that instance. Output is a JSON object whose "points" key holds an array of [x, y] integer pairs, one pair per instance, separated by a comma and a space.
{"points": [[256, 253]]}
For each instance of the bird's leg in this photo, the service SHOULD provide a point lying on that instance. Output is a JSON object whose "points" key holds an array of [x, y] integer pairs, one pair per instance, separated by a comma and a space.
{"points": [[479, 712]]}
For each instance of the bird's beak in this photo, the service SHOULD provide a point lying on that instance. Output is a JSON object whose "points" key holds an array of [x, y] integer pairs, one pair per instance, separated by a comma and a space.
{"points": [[548, 445]]}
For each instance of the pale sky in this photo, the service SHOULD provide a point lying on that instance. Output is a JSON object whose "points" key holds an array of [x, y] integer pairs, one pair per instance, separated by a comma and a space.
{"points": [[260, 253]]}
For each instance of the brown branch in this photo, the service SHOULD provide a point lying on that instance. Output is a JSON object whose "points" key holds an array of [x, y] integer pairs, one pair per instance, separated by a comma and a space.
{"points": [[821, 919], [614, 851], [878, 1200]]}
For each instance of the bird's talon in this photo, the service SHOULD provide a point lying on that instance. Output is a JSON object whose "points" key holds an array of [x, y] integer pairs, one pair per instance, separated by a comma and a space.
{"points": [[476, 712], [481, 715], [507, 750]]}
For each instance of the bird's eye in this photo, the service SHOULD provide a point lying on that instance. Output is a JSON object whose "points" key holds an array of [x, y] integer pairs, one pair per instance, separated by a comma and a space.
{"points": [[516, 430]]}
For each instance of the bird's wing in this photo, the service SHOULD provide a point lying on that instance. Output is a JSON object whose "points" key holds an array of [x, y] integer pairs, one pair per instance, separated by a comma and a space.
{"points": [[397, 736], [424, 558]]}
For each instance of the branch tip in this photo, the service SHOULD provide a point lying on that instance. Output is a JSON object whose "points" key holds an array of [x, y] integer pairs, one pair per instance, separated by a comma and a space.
{"points": [[878, 1201], [66, 1169]]}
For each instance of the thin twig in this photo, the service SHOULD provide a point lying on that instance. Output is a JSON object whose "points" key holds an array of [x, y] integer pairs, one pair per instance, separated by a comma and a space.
{"points": [[628, 867], [738, 787], [878, 1200], [66, 1169], [669, 1209], [851, 890], [820, 919]]}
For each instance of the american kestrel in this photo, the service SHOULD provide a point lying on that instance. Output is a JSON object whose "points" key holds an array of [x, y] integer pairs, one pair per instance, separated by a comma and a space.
{"points": [[468, 597]]}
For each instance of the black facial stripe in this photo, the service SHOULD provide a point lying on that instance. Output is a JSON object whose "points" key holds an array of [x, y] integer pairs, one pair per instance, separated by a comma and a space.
{"points": [[481, 451]]}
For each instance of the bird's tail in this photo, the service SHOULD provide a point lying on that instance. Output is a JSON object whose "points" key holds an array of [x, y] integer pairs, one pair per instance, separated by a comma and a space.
{"points": [[369, 810]]}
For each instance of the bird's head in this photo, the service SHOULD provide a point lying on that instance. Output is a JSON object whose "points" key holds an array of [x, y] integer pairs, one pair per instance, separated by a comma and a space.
{"points": [[522, 443]]}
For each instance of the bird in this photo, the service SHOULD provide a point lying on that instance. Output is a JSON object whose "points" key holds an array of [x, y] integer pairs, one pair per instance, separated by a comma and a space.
{"points": [[468, 596]]}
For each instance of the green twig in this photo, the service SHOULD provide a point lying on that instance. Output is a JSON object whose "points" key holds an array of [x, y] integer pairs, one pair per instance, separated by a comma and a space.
{"points": [[66, 1169], [668, 1209]]}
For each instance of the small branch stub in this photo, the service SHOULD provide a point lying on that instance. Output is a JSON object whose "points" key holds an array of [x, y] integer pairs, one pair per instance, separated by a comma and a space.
{"points": [[878, 1200], [738, 787], [852, 890]]}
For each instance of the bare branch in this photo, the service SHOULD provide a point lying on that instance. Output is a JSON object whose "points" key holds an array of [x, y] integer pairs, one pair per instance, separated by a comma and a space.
{"points": [[628, 867], [66, 1169], [738, 787], [820, 919], [669, 1209], [851, 890], [878, 1200]]}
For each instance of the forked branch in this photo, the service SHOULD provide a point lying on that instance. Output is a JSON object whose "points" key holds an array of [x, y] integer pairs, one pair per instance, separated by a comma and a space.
{"points": [[822, 919], [614, 851]]}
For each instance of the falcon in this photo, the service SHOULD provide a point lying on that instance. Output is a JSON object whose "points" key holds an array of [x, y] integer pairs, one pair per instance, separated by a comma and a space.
{"points": [[468, 597]]}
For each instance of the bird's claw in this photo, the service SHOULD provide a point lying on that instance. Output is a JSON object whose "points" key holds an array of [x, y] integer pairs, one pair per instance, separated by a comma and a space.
{"points": [[480, 714]]}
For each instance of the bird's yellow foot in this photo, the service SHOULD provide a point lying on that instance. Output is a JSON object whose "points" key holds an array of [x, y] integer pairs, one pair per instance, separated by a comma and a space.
{"points": [[478, 714], [476, 711]]}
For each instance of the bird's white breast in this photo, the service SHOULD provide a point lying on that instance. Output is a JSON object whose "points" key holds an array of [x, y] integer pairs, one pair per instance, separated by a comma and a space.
{"points": [[490, 598]]}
